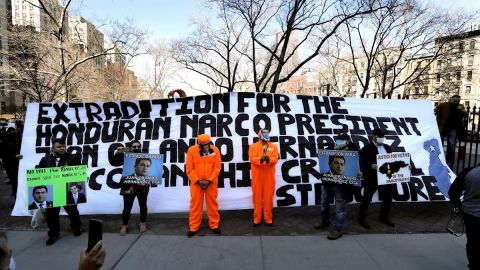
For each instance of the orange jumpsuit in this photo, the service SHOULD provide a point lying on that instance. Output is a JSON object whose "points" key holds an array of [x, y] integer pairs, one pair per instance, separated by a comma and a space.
{"points": [[263, 180], [207, 168]]}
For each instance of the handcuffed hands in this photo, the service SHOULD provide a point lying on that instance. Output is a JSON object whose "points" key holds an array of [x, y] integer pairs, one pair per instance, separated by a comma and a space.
{"points": [[203, 183]]}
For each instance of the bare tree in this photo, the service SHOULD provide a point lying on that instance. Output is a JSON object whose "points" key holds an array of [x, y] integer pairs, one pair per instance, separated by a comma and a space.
{"points": [[46, 66], [159, 78], [388, 49], [279, 32], [215, 52]]}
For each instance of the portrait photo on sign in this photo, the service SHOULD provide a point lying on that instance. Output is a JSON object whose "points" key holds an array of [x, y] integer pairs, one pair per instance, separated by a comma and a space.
{"points": [[140, 168], [76, 193], [40, 197], [338, 166]]}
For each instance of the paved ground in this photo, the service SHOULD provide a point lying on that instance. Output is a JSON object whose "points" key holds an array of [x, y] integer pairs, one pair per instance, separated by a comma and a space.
{"points": [[417, 242], [148, 251]]}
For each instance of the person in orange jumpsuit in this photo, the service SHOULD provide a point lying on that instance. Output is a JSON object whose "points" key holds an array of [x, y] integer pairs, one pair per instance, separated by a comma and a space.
{"points": [[263, 157], [203, 164]]}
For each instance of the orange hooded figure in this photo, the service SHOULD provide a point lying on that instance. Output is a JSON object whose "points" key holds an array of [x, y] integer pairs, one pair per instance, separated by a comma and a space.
{"points": [[263, 158], [203, 164]]}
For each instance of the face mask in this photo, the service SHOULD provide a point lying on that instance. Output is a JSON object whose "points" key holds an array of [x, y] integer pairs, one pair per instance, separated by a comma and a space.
{"points": [[341, 143], [205, 147], [265, 135], [380, 141]]}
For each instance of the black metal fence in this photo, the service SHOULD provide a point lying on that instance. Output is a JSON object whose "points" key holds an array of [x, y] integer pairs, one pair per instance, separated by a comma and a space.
{"points": [[466, 149]]}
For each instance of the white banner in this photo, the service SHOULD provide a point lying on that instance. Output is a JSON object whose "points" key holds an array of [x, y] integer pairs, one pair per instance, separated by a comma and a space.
{"points": [[300, 125]]}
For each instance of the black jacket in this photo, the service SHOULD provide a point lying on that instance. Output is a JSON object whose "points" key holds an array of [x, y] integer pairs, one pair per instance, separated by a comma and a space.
{"points": [[81, 198], [34, 206], [368, 157], [66, 160]]}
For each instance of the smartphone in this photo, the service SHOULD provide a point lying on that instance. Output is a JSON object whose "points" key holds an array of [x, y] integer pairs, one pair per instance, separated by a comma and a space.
{"points": [[95, 232]]}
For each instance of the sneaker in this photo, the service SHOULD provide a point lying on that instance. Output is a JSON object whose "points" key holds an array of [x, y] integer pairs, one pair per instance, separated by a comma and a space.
{"points": [[51, 240], [387, 222], [123, 230], [216, 231], [143, 227], [334, 235], [190, 234], [256, 224], [320, 225], [269, 224], [364, 223]]}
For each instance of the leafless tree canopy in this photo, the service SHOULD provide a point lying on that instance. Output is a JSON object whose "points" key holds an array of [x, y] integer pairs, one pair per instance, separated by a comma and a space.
{"points": [[54, 63]]}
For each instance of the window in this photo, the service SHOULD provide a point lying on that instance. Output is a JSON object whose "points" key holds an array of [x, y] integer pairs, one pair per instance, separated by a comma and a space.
{"points": [[470, 60], [425, 90], [447, 77], [469, 75], [439, 64], [457, 90], [449, 61], [417, 90], [468, 89], [459, 75], [472, 44], [460, 45], [438, 77], [459, 61]]}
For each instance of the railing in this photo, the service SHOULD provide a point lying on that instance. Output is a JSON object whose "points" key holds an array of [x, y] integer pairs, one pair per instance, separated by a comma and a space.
{"points": [[467, 149]]}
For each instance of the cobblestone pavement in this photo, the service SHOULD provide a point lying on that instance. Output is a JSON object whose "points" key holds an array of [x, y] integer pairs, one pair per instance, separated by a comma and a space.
{"points": [[429, 217]]}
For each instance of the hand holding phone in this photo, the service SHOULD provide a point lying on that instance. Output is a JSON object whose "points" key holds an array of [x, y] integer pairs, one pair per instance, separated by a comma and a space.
{"points": [[95, 232], [94, 259]]}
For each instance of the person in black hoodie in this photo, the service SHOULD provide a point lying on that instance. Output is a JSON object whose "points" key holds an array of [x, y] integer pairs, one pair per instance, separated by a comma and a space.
{"points": [[59, 158]]}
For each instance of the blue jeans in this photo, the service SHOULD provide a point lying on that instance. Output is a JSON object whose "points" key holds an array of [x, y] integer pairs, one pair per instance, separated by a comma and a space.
{"points": [[330, 191]]}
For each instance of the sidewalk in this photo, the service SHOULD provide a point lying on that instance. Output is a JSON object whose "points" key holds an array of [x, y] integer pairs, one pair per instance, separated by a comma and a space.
{"points": [[367, 251], [417, 241]]}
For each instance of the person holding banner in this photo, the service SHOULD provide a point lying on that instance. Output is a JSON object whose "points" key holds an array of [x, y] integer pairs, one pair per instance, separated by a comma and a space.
{"points": [[263, 157], [332, 190], [368, 165], [203, 165], [59, 158], [130, 191]]}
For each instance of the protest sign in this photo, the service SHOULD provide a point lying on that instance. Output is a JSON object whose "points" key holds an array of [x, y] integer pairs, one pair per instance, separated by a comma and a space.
{"points": [[340, 167], [142, 169], [54, 184], [393, 168]]}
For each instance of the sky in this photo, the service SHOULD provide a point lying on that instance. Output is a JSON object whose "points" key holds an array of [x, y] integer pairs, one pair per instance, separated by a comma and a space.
{"points": [[170, 19], [162, 18]]}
